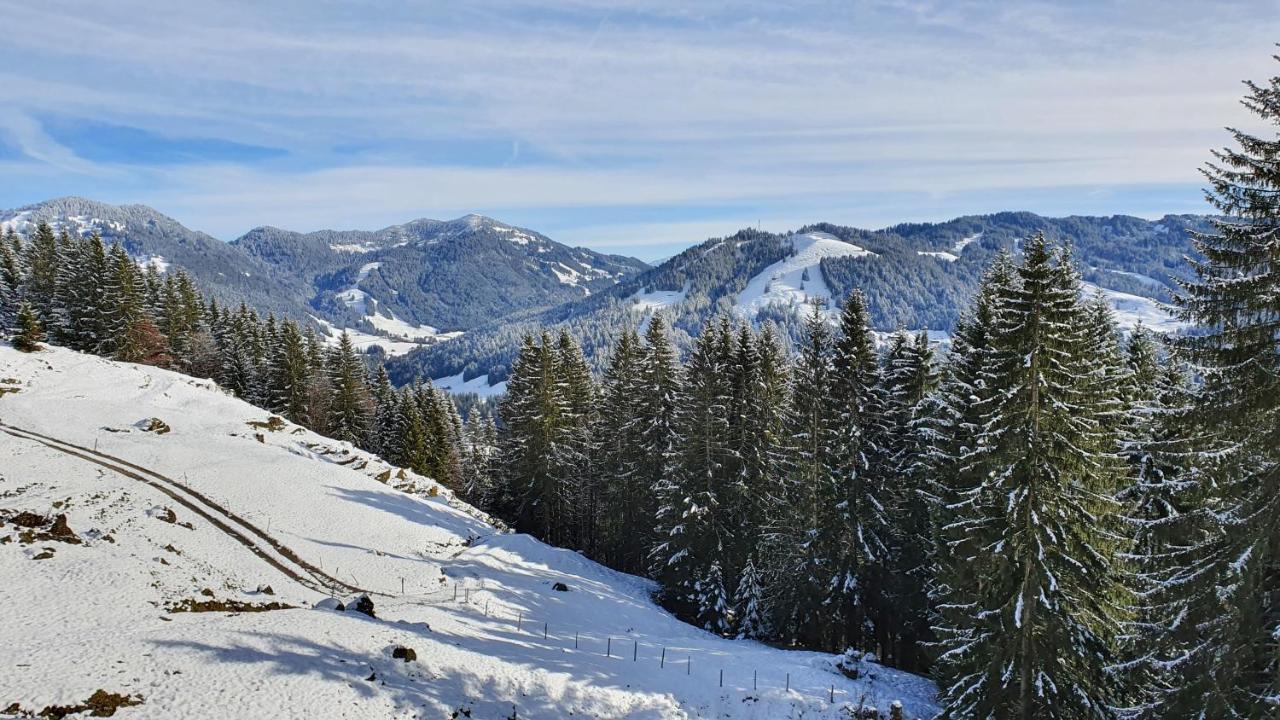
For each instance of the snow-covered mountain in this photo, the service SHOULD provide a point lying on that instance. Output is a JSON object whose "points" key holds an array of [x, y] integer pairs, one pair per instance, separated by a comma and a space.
{"points": [[917, 276], [173, 551], [399, 288]]}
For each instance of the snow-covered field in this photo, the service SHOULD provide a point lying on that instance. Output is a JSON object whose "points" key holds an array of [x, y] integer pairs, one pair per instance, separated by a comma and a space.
{"points": [[796, 280], [216, 509], [478, 385], [1132, 309]]}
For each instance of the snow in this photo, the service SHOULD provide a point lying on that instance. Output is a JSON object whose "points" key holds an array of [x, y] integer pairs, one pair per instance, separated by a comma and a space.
{"points": [[479, 385], [1132, 309], [1146, 279], [158, 262], [396, 328], [94, 615], [648, 301], [515, 235], [965, 242], [353, 248], [783, 283], [363, 341], [940, 254]]}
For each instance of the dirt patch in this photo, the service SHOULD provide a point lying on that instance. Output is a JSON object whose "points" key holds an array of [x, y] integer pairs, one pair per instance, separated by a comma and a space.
{"points": [[234, 606], [100, 704], [38, 528], [272, 424]]}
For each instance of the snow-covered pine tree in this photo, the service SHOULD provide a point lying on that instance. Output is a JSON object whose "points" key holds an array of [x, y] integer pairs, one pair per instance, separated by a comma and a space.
{"points": [[908, 379], [288, 374], [59, 325], [691, 528], [819, 601], [626, 507], [751, 608], [411, 445], [41, 260], [857, 590], [319, 388], [1043, 575], [350, 408], [659, 387], [383, 436], [29, 334], [11, 278], [1228, 579], [574, 457]]}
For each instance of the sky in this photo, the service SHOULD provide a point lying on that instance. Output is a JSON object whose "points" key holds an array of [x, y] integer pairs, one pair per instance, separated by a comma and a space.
{"points": [[636, 128]]}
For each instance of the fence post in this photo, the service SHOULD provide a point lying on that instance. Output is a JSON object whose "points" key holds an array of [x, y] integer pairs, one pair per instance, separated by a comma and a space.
{"points": [[663, 662], [753, 680], [721, 677], [544, 631], [519, 620], [635, 650], [486, 608], [401, 586], [833, 695], [788, 682], [575, 639], [688, 666], [608, 648], [455, 592]]}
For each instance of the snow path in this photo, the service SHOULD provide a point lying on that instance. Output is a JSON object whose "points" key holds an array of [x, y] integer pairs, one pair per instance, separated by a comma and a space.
{"points": [[275, 554]]}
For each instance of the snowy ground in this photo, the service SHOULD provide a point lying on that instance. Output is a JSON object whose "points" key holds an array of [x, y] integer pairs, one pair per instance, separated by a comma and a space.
{"points": [[1132, 309], [279, 506], [796, 280], [478, 385]]}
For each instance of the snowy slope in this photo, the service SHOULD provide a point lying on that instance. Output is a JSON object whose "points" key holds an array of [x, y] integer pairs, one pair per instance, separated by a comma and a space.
{"points": [[796, 280], [280, 506], [1133, 309]]}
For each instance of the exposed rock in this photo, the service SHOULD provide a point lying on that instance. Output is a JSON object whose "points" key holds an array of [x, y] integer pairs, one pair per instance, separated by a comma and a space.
{"points": [[234, 606], [406, 654], [560, 587], [265, 590], [154, 425], [330, 604], [28, 520], [361, 604]]}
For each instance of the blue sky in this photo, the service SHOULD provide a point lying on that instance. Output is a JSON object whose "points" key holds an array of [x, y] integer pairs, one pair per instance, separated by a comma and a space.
{"points": [[637, 128]]}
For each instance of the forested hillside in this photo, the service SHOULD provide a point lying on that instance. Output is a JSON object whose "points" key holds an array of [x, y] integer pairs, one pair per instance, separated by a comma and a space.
{"points": [[913, 276]]}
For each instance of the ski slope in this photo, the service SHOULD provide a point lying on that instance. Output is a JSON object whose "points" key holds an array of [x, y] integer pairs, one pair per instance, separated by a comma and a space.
{"points": [[218, 509], [797, 280]]}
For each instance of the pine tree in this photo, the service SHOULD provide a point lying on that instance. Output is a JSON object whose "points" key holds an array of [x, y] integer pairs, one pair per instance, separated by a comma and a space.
{"points": [[751, 609], [908, 381], [862, 468], [29, 335], [659, 388], [11, 279], [1223, 583], [812, 429], [350, 408], [626, 508], [692, 529], [41, 260], [1033, 637]]}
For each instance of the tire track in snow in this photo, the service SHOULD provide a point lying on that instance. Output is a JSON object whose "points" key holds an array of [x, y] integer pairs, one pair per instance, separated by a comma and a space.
{"points": [[304, 574]]}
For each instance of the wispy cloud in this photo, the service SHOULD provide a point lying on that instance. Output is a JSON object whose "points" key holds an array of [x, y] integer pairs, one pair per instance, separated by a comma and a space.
{"points": [[768, 105]]}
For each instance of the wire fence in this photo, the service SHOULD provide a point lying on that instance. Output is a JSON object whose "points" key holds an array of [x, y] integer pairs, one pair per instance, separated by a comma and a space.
{"points": [[718, 670]]}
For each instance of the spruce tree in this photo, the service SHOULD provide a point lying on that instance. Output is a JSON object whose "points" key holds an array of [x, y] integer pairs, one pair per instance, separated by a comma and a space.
{"points": [[1223, 584], [42, 262], [29, 334], [350, 408], [626, 508], [1034, 634]]}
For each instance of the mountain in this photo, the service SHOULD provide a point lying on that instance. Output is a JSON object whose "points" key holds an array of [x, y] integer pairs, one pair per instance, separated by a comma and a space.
{"points": [[451, 275], [399, 288], [917, 276], [197, 573], [222, 270]]}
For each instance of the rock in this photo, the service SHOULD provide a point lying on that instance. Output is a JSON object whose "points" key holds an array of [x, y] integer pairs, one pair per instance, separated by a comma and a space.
{"points": [[46, 554], [560, 587], [895, 710], [163, 514], [266, 590], [361, 604], [330, 604], [28, 520], [406, 654], [61, 529], [154, 425]]}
